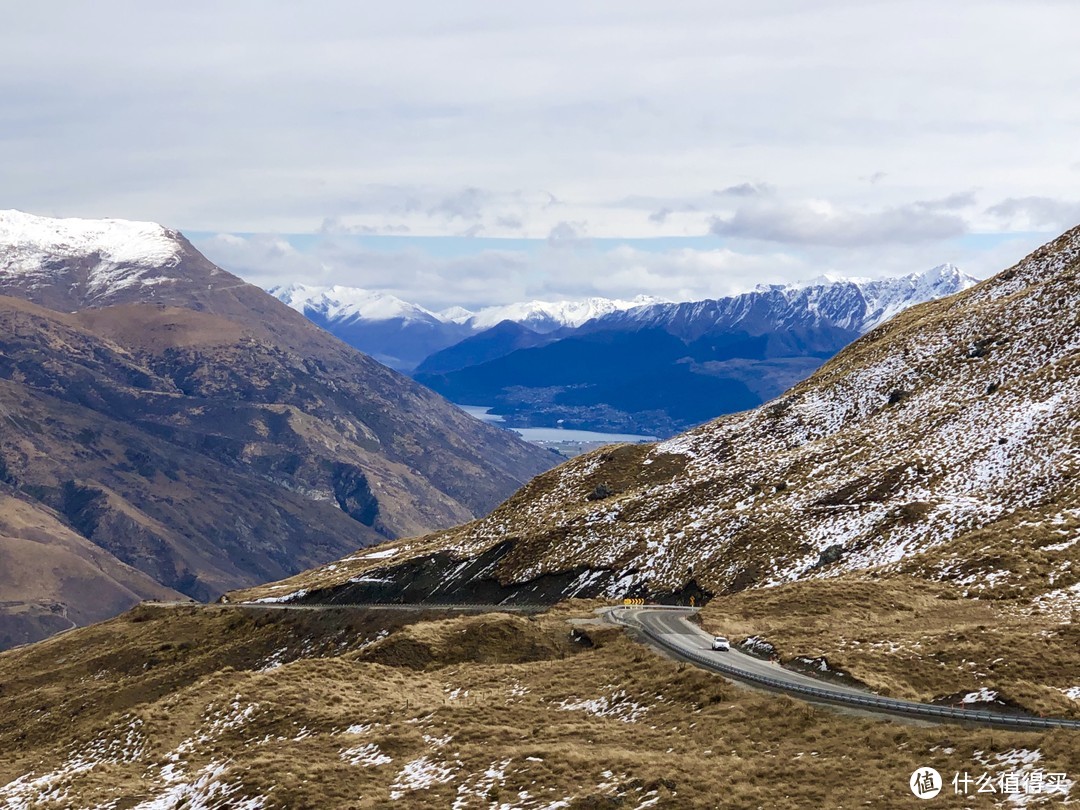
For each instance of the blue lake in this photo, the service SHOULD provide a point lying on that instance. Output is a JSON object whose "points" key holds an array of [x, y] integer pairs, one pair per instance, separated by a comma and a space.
{"points": [[547, 434]]}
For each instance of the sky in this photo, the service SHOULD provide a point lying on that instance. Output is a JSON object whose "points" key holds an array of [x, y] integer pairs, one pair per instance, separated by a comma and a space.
{"points": [[484, 152]]}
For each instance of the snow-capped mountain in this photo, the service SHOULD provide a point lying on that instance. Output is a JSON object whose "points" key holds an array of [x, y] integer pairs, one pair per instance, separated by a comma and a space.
{"points": [[169, 428], [408, 337], [547, 316], [348, 304], [661, 367], [888, 297], [102, 257], [856, 305], [397, 333], [402, 334]]}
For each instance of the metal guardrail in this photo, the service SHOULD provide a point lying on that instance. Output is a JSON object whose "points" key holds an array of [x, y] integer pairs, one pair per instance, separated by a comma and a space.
{"points": [[907, 708], [434, 606]]}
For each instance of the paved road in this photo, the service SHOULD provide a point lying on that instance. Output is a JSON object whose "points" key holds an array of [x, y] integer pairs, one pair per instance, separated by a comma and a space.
{"points": [[669, 630], [670, 624], [434, 608]]}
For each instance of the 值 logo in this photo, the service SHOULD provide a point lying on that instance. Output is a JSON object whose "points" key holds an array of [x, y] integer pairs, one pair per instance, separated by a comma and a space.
{"points": [[925, 783]]}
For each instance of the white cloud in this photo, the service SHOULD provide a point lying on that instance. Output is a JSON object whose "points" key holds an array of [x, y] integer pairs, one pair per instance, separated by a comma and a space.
{"points": [[821, 223], [578, 268], [626, 119], [266, 119], [1036, 213]]}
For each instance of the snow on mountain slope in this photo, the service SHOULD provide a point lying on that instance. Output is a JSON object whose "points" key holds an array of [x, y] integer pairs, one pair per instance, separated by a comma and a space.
{"points": [[397, 333], [340, 303], [944, 443], [546, 316], [888, 297], [115, 254], [853, 304]]}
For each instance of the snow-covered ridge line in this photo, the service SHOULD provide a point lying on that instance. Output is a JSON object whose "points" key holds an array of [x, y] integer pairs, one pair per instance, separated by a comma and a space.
{"points": [[561, 313], [859, 304], [95, 257], [883, 299], [116, 241], [341, 303]]}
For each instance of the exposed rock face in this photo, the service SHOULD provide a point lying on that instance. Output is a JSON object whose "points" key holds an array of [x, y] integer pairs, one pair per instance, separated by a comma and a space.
{"points": [[202, 432], [970, 474]]}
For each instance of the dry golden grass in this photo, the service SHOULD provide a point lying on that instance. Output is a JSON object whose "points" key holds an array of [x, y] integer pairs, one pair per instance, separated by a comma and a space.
{"points": [[141, 327], [540, 720], [911, 638]]}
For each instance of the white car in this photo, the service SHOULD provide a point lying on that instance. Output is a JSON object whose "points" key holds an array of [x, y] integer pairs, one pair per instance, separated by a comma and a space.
{"points": [[721, 643]]}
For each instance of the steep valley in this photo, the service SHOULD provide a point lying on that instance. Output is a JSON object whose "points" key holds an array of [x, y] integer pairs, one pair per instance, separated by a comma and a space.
{"points": [[191, 427]]}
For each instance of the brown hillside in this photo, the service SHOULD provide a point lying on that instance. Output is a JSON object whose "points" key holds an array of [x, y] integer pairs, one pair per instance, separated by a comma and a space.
{"points": [[195, 428]]}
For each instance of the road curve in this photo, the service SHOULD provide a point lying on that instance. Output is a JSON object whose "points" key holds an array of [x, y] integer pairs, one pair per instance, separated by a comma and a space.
{"points": [[668, 629]]}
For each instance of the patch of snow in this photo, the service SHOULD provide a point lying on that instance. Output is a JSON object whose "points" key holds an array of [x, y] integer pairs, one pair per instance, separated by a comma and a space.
{"points": [[420, 774], [1060, 603], [270, 600], [379, 555], [1022, 765], [617, 706], [273, 661], [124, 252], [983, 695], [1062, 546], [122, 744], [368, 756], [437, 742], [116, 241], [478, 787], [203, 790]]}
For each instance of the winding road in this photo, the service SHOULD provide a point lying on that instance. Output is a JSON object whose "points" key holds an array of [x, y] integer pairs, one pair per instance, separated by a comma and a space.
{"points": [[667, 629]]}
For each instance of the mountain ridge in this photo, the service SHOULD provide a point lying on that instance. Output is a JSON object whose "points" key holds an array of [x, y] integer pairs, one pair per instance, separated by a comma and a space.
{"points": [[695, 360], [200, 431], [810, 303], [941, 445]]}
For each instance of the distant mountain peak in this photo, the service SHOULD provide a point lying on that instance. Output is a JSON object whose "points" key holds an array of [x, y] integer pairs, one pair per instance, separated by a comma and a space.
{"points": [[856, 304], [942, 274], [455, 314], [343, 303], [551, 315]]}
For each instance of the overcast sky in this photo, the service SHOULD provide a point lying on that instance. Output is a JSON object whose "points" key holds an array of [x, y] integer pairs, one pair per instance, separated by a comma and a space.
{"points": [[481, 152]]}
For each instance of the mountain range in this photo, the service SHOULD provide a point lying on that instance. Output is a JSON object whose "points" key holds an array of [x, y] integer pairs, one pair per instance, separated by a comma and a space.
{"points": [[642, 366], [905, 521], [169, 429], [401, 334], [941, 446]]}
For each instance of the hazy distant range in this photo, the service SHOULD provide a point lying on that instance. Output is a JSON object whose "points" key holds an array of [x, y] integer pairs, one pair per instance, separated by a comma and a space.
{"points": [[641, 367]]}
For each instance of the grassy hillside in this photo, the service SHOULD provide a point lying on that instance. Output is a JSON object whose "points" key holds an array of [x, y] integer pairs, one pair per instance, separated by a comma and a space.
{"points": [[209, 706]]}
